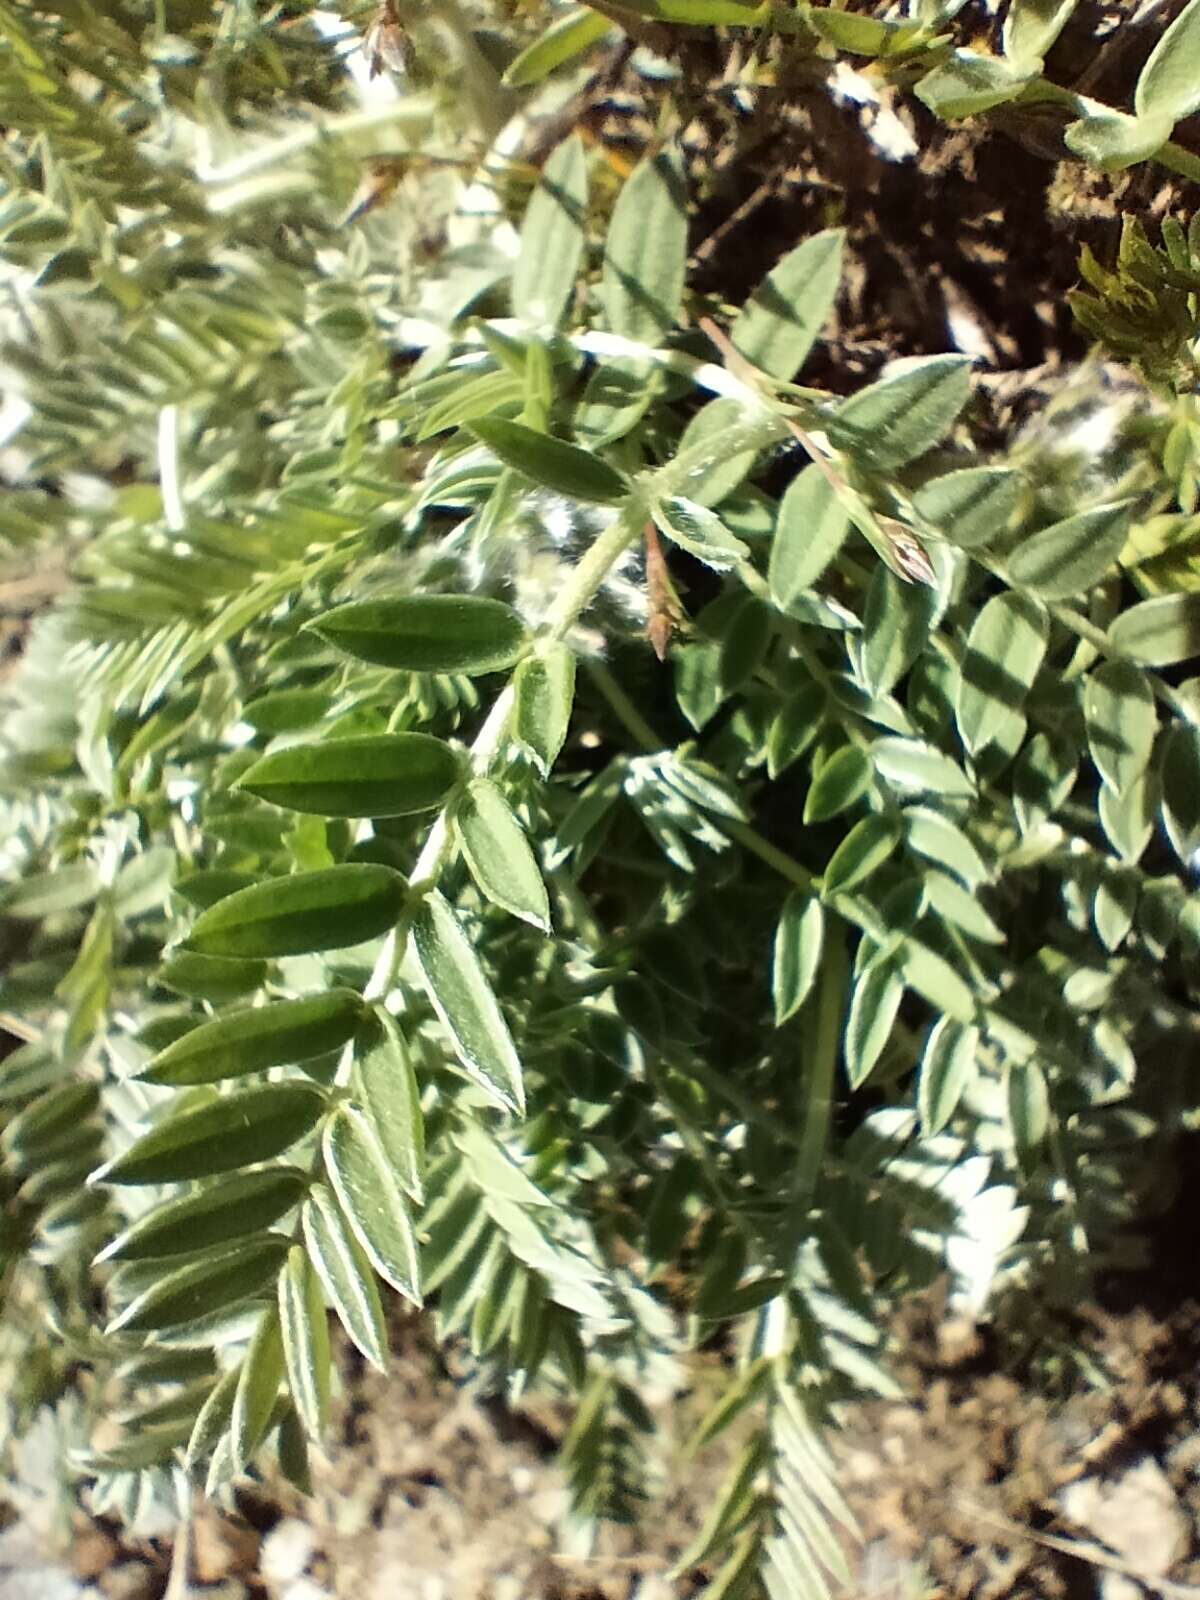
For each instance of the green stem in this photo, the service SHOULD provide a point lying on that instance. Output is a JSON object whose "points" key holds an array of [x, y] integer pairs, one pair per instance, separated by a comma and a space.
{"points": [[786, 866], [756, 431], [627, 713], [826, 1046]]}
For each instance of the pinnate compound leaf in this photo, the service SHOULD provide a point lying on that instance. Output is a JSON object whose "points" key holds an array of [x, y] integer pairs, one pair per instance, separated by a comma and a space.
{"points": [[233, 1131], [379, 775], [810, 530], [709, 485], [257, 1390], [1128, 818], [59, 1109], [961, 907], [203, 889], [286, 710], [799, 939], [203, 1286], [385, 1085], [305, 1333], [552, 238], [463, 999], [1070, 556], [1043, 776], [371, 1200], [568, 469], [544, 687], [1114, 906], [247, 1203], [864, 36], [253, 1039], [323, 910], [144, 882], [471, 634], [291, 1449], [616, 397], [345, 1273], [936, 981], [645, 251], [700, 13], [781, 321], [1004, 653], [794, 727], [904, 414], [1159, 632], [498, 854]]}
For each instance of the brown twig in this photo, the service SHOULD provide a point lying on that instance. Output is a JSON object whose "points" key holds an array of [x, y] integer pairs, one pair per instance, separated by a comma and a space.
{"points": [[666, 613]]}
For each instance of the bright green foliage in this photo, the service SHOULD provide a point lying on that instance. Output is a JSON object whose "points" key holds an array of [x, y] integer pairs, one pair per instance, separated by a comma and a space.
{"points": [[382, 913]]}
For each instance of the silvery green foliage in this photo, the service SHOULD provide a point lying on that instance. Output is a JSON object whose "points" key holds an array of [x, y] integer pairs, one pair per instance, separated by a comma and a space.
{"points": [[383, 917]]}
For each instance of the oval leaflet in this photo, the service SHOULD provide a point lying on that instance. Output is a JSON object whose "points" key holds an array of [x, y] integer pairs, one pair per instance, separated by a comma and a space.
{"points": [[378, 775]]}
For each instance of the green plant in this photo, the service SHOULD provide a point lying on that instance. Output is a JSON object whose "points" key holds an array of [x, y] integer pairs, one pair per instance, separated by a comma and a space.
{"points": [[381, 908]]}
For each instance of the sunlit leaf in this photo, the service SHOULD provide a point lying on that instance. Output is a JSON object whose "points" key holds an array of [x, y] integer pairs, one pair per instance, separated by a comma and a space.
{"points": [[218, 1136], [382, 775], [810, 530], [371, 1200], [428, 633], [904, 414], [305, 1335], [567, 37], [466, 1003], [552, 238], [386, 1087], [797, 953], [244, 1204], [498, 854], [199, 1287], [323, 910], [345, 1273], [645, 251], [1003, 655], [544, 688], [783, 318], [1069, 557], [241, 1042]]}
